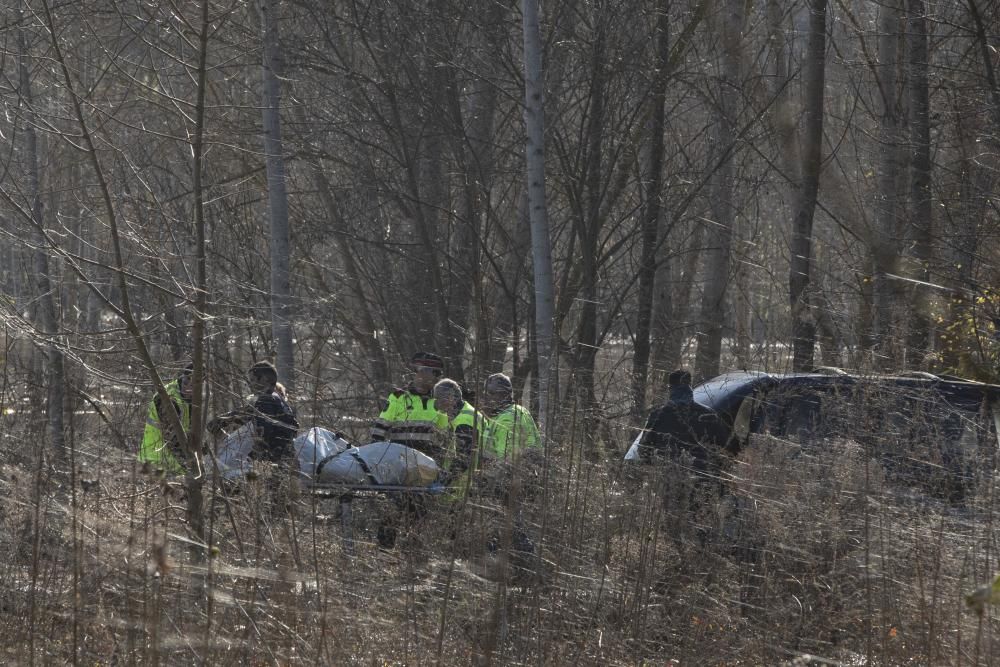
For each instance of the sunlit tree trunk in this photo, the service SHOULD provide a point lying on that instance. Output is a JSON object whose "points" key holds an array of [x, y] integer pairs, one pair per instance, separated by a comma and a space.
{"points": [[277, 199], [884, 246], [920, 325], [46, 312], [541, 245]]}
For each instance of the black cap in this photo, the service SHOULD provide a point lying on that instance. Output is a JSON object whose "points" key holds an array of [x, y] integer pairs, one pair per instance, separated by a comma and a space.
{"points": [[427, 360], [679, 377]]}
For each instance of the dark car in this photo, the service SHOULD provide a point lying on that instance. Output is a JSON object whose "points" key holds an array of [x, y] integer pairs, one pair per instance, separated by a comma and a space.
{"points": [[935, 431]]}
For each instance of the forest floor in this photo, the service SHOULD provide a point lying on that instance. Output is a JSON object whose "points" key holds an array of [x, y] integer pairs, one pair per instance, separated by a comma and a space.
{"points": [[809, 557]]}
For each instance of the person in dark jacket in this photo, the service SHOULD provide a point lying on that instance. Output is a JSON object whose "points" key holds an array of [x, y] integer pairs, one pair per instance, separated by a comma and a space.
{"points": [[275, 423], [681, 425], [688, 439]]}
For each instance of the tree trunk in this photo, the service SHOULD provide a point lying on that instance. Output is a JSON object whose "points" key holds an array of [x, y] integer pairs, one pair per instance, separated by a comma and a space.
{"points": [[672, 308], [589, 226], [277, 199], [46, 311], [717, 256], [541, 245], [883, 244], [653, 180], [195, 478], [920, 326], [803, 321], [473, 150]]}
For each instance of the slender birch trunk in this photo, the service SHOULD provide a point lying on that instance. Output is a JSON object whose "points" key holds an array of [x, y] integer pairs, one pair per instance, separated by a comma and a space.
{"points": [[277, 199], [541, 245]]}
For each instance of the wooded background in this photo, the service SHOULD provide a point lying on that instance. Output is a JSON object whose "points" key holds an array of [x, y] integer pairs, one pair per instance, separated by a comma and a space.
{"points": [[335, 185], [585, 194]]}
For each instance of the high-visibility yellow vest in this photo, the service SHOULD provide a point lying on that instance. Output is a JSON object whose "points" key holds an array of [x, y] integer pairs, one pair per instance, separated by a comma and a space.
{"points": [[509, 432], [153, 449], [467, 416]]}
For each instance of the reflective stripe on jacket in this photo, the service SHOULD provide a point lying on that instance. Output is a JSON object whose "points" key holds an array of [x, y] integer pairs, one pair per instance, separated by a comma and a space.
{"points": [[414, 421]]}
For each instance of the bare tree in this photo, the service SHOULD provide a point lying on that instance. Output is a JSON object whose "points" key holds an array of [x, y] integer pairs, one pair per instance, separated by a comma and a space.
{"points": [[803, 321], [277, 197], [722, 202], [653, 178], [534, 121], [55, 375]]}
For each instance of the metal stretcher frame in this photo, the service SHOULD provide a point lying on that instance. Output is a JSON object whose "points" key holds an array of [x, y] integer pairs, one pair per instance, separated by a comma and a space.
{"points": [[347, 494]]}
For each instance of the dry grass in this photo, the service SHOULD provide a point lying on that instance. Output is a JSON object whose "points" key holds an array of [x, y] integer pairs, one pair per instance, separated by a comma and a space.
{"points": [[811, 551]]}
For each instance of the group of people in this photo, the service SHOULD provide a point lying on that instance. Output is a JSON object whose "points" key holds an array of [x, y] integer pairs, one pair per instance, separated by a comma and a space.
{"points": [[430, 414], [272, 420]]}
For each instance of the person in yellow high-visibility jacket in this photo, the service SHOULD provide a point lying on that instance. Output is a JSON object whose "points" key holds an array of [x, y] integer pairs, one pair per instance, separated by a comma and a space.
{"points": [[161, 447], [511, 450], [510, 428], [467, 426], [409, 416]]}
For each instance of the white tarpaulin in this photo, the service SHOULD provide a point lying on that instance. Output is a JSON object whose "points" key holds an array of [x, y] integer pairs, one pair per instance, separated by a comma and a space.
{"points": [[311, 447], [633, 452], [233, 456], [380, 463], [386, 463], [315, 445]]}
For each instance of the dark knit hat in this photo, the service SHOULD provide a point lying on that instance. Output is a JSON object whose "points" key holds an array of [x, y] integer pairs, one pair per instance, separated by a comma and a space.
{"points": [[678, 378], [264, 369], [426, 360], [498, 382]]}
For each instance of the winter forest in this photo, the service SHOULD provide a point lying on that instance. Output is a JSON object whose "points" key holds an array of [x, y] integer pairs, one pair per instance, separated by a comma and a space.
{"points": [[583, 194]]}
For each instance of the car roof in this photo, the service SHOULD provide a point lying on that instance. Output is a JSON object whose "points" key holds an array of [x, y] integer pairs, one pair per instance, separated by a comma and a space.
{"points": [[724, 392]]}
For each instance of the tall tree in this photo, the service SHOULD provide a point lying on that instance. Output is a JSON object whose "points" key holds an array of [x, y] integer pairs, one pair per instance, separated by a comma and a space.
{"points": [[652, 208], [883, 243], [277, 197], [921, 216], [541, 247], [722, 203], [55, 372], [814, 71]]}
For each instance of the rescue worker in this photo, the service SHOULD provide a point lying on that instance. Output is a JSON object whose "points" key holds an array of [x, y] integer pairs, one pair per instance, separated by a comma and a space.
{"points": [[409, 416], [510, 428], [511, 446], [467, 425], [275, 423], [161, 447]]}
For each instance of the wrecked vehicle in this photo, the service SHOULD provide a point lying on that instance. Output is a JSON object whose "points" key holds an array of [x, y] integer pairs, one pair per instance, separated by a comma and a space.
{"points": [[936, 432]]}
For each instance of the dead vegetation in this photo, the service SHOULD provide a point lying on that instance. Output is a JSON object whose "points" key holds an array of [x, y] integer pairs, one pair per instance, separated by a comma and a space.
{"points": [[809, 552]]}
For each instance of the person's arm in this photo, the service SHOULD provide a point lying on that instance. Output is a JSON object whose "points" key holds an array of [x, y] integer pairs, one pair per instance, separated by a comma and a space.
{"points": [[237, 417], [649, 439], [382, 425], [465, 447]]}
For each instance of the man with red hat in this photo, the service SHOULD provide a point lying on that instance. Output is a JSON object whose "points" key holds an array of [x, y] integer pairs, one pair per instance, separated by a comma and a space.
{"points": [[409, 415]]}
